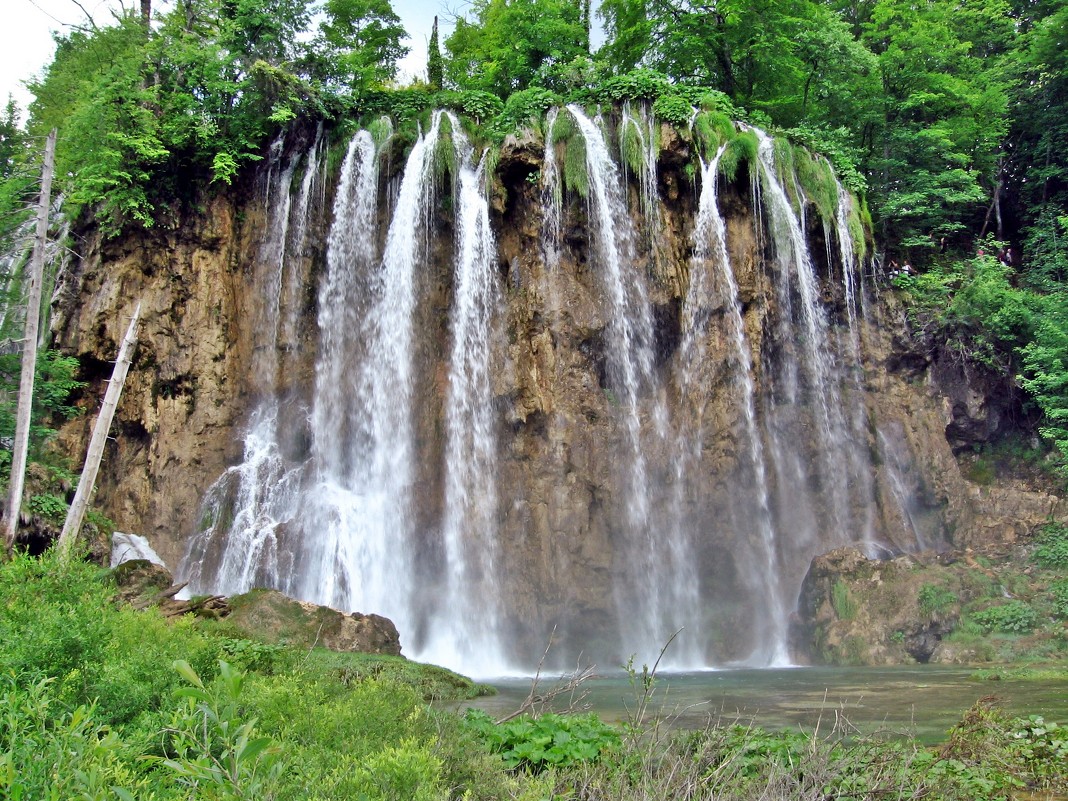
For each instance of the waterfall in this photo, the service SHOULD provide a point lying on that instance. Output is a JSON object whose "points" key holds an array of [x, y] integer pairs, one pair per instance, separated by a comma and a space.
{"points": [[796, 277], [652, 598], [382, 484], [239, 543], [711, 256], [466, 629]]}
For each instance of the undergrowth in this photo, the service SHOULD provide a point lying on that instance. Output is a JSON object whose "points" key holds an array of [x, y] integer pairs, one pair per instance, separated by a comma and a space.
{"points": [[102, 702]]}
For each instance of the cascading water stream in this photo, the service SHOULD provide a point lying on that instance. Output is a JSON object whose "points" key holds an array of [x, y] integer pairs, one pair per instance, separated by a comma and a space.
{"points": [[361, 548], [651, 602], [246, 510], [466, 630], [711, 254], [796, 274]]}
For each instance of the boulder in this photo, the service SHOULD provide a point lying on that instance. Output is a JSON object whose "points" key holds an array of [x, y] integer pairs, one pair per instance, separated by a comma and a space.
{"points": [[272, 616]]}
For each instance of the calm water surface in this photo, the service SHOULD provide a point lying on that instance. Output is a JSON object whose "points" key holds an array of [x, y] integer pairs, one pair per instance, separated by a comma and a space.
{"points": [[923, 701]]}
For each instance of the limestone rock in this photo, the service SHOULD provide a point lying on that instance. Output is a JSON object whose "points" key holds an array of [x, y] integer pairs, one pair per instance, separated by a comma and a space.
{"points": [[270, 615]]}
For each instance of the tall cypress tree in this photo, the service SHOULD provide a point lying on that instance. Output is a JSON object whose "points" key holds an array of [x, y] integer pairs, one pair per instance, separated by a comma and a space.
{"points": [[435, 68]]}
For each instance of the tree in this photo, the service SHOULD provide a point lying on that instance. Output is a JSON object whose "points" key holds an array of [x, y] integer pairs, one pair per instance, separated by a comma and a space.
{"points": [[20, 450], [511, 44], [435, 66], [360, 43], [933, 152]]}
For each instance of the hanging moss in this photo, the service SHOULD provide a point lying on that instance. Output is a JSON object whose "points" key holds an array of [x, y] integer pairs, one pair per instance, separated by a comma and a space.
{"points": [[742, 149], [630, 144], [857, 230], [444, 151], [381, 129], [817, 179], [564, 129], [575, 175], [492, 158], [711, 129]]}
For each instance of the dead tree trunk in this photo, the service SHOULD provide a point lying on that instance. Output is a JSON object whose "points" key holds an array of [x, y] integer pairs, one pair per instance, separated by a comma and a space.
{"points": [[21, 447], [87, 481]]}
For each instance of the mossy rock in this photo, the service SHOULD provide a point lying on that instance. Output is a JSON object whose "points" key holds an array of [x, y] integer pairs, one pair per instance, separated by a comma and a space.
{"points": [[269, 615]]}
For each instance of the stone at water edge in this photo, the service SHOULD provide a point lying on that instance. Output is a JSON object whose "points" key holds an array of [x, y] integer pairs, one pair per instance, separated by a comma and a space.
{"points": [[270, 615]]}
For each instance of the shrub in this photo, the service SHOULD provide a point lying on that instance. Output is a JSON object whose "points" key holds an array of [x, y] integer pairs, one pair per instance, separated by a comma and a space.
{"points": [[1014, 617], [533, 744], [1052, 550], [49, 752], [935, 600], [673, 109], [1058, 590]]}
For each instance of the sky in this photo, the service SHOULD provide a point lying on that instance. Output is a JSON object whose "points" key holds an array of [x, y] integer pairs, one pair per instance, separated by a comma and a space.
{"points": [[26, 28]]}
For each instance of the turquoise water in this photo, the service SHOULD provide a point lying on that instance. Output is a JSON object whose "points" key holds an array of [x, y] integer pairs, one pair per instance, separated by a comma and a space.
{"points": [[921, 701]]}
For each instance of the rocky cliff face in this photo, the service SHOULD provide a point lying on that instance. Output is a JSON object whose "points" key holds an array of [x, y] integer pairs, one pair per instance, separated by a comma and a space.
{"points": [[568, 552]]}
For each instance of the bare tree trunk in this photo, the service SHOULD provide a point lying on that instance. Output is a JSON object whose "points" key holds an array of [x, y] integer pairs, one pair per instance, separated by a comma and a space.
{"points": [[87, 481], [17, 480]]}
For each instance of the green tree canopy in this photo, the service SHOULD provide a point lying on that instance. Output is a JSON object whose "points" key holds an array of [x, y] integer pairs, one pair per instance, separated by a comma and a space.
{"points": [[510, 45]]}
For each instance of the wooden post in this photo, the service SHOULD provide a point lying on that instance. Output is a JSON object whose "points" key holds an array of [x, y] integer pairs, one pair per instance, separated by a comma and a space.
{"points": [[17, 480], [87, 481]]}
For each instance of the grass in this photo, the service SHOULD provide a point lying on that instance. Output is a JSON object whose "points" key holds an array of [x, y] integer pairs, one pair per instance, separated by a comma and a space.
{"points": [[102, 702]]}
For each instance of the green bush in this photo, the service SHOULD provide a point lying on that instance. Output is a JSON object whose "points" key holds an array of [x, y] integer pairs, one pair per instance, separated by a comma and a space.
{"points": [[1058, 591], [1052, 550], [674, 109], [50, 752], [1014, 617], [934, 600], [640, 84], [533, 744]]}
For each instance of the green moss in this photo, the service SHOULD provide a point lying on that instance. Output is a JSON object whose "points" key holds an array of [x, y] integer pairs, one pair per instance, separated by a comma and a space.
{"points": [[842, 600], [817, 180], [631, 146], [432, 682], [857, 230], [576, 176], [712, 129], [742, 149], [381, 129]]}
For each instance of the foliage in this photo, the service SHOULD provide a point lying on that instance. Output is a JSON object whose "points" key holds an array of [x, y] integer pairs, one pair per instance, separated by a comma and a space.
{"points": [[673, 109], [1045, 369], [524, 107], [360, 44], [1058, 591], [508, 46], [534, 744], [435, 67], [50, 752], [54, 384], [1013, 617], [972, 310], [1052, 550], [935, 599], [210, 749]]}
